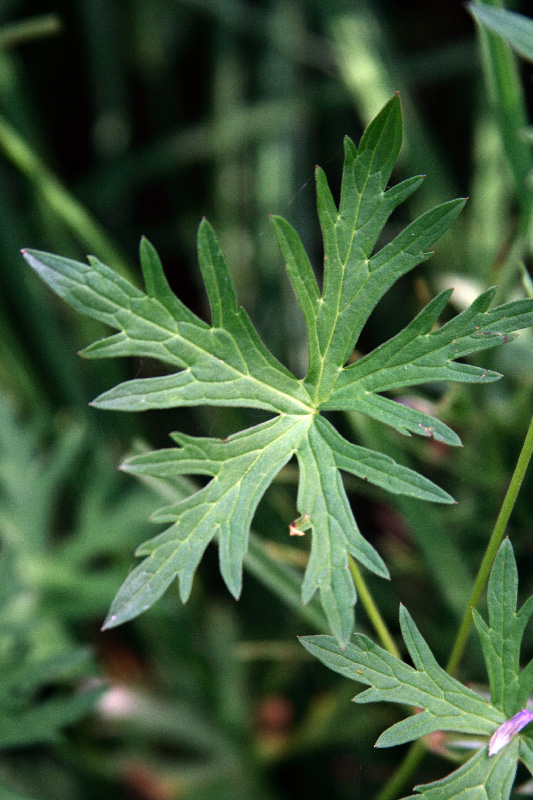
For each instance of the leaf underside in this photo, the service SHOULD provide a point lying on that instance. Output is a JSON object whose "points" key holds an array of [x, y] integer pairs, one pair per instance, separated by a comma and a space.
{"points": [[225, 363]]}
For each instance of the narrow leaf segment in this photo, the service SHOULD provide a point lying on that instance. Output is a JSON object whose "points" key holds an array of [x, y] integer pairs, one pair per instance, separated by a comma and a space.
{"points": [[225, 363], [444, 704], [515, 29]]}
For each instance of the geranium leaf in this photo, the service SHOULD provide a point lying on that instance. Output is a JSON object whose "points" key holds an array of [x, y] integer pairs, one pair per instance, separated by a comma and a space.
{"points": [[446, 704], [501, 638], [225, 363], [480, 778], [441, 702]]}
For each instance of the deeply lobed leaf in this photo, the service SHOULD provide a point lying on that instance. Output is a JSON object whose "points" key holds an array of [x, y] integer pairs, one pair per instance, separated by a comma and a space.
{"points": [[444, 704], [225, 363], [501, 638], [480, 778]]}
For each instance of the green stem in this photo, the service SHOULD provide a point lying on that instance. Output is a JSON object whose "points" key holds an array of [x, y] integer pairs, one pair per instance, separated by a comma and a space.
{"points": [[492, 549], [372, 610], [401, 776], [66, 207]]}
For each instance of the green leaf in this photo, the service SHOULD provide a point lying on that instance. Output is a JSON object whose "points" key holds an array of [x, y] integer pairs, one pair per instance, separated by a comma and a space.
{"points": [[26, 718], [444, 704], [502, 637], [480, 778], [43, 722], [419, 354], [225, 363], [515, 29]]}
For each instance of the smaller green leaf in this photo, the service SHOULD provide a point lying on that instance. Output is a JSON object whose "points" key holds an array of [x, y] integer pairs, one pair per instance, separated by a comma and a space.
{"points": [[480, 778], [502, 637], [446, 704], [515, 29]]}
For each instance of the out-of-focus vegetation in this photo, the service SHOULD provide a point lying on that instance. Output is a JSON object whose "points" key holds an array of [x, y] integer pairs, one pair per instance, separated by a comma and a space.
{"points": [[122, 119]]}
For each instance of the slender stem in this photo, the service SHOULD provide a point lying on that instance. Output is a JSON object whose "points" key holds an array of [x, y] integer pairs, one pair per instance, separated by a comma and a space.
{"points": [[372, 610], [492, 549], [401, 776]]}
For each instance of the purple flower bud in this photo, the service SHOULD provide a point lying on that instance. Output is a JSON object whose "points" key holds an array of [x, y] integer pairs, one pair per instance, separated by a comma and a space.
{"points": [[508, 730]]}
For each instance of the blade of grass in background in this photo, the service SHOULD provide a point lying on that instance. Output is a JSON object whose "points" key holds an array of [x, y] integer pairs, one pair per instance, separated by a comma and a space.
{"points": [[507, 101]]}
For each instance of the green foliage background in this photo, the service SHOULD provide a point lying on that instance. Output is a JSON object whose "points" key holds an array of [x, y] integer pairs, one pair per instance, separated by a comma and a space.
{"points": [[122, 119]]}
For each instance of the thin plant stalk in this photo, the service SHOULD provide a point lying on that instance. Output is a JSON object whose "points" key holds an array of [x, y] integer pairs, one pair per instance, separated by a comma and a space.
{"points": [[372, 610], [403, 772]]}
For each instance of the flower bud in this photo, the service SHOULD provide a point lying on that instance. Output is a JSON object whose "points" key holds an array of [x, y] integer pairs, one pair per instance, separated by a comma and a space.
{"points": [[508, 730]]}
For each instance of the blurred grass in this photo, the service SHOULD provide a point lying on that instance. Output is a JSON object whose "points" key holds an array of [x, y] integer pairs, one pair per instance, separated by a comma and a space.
{"points": [[118, 120]]}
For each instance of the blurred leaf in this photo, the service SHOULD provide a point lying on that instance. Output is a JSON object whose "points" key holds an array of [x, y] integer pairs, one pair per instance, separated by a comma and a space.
{"points": [[508, 104], [515, 29]]}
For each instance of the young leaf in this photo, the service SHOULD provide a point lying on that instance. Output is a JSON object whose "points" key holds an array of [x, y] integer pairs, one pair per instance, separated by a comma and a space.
{"points": [[225, 363], [444, 703]]}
